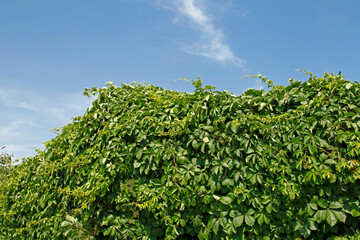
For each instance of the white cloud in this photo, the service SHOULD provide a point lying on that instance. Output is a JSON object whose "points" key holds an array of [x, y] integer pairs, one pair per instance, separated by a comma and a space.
{"points": [[212, 40]]}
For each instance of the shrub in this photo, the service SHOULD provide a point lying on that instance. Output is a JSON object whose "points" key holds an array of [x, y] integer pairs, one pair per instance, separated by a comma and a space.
{"points": [[148, 163]]}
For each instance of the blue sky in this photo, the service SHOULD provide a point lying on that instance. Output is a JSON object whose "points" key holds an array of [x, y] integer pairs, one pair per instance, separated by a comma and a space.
{"points": [[51, 50]]}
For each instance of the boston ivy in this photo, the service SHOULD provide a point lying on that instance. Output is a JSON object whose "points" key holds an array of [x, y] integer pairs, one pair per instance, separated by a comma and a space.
{"points": [[148, 163]]}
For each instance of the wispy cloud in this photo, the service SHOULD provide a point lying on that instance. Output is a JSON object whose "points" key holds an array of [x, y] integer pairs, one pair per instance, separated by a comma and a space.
{"points": [[13, 129], [9, 98], [212, 40]]}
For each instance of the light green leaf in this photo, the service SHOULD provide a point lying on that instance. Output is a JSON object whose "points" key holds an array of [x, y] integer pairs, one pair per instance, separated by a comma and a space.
{"points": [[66, 224], [238, 221], [249, 220], [348, 86], [335, 205], [355, 213], [137, 164], [269, 208], [322, 203], [212, 146], [260, 219], [330, 161], [320, 215], [195, 144], [139, 153], [226, 200], [250, 211], [313, 206], [70, 218], [330, 218], [215, 226], [341, 216], [216, 197]]}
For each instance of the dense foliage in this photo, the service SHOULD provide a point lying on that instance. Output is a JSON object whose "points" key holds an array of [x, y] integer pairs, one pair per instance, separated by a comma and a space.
{"points": [[148, 163]]}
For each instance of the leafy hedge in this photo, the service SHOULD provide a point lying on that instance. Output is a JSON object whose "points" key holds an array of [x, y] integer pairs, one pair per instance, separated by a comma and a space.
{"points": [[148, 163]]}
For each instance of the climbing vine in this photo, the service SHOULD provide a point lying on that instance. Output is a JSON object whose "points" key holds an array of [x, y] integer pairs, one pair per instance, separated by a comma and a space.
{"points": [[148, 163]]}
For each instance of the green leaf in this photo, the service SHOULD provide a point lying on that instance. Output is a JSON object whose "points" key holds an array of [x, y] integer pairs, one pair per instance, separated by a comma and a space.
{"points": [[330, 161], [249, 220], [215, 226], [216, 197], [110, 219], [65, 224], [226, 200], [341, 216], [320, 215], [137, 164], [269, 208], [107, 231], [348, 86], [197, 222], [238, 221], [305, 230], [313, 206], [195, 144], [70, 219], [335, 205], [212, 146], [330, 217], [261, 219], [333, 178], [322, 203], [138, 153], [355, 213], [250, 211]]}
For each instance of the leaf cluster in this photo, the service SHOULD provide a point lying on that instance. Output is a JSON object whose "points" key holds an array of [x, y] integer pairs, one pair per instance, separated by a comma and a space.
{"points": [[148, 163]]}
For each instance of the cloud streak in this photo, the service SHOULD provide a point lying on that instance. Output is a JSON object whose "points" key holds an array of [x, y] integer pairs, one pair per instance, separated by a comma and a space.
{"points": [[212, 40]]}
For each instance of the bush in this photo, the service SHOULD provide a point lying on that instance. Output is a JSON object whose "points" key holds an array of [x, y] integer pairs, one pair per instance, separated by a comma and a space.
{"points": [[148, 163]]}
